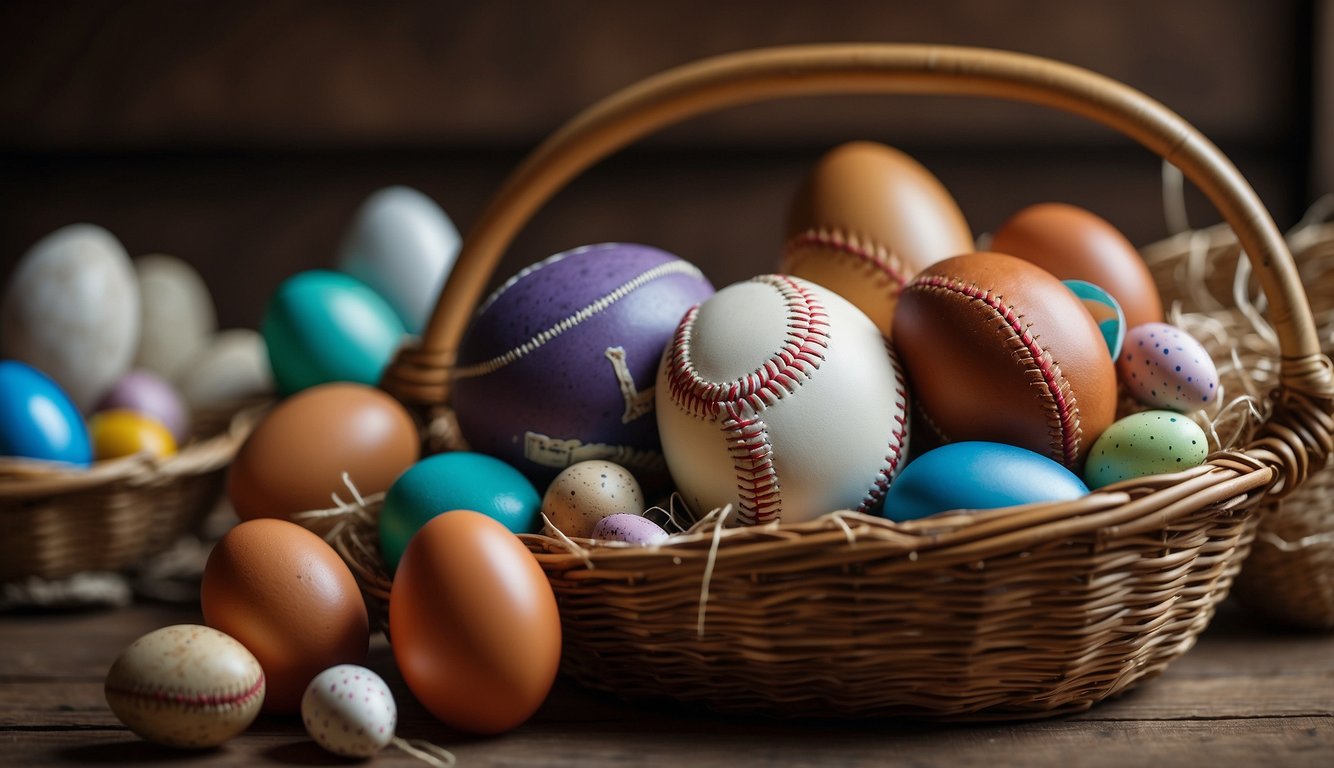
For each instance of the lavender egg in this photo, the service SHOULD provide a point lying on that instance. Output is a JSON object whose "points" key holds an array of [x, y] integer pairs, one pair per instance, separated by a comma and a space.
{"points": [[559, 364], [631, 529], [1165, 367], [150, 395]]}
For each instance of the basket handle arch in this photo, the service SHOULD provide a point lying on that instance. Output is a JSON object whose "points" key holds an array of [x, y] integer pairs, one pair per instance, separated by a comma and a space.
{"points": [[419, 375]]}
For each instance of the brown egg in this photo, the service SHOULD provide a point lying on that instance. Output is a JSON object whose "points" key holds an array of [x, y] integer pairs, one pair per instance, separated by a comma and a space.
{"points": [[285, 595], [866, 220], [295, 458], [1075, 244], [476, 633], [997, 349]]}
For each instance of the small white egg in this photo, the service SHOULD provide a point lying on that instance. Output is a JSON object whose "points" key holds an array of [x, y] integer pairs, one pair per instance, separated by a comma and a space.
{"points": [[349, 711], [586, 492], [179, 318], [235, 366]]}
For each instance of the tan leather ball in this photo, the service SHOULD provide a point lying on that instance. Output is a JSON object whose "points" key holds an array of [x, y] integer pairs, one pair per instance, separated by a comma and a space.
{"points": [[998, 349], [1075, 244]]}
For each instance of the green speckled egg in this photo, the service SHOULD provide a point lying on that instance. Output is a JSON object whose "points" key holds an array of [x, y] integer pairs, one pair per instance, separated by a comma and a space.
{"points": [[1143, 444]]}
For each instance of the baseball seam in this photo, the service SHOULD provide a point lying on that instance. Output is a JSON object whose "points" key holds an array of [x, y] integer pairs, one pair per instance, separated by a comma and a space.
{"points": [[1055, 394], [897, 440], [601, 304], [747, 436], [187, 701], [865, 250]]}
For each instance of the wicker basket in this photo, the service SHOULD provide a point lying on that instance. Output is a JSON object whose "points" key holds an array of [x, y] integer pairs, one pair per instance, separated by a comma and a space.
{"points": [[1025, 612], [1289, 575], [60, 522]]}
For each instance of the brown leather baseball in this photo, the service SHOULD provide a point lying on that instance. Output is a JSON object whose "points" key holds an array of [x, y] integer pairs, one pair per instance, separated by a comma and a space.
{"points": [[998, 349]]}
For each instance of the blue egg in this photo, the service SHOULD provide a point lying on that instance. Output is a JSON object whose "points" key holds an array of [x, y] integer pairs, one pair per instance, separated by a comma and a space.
{"points": [[1106, 312], [977, 475], [325, 326], [37, 418], [449, 481]]}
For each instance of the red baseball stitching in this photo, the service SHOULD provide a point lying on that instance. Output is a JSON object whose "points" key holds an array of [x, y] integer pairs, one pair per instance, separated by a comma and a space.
{"points": [[193, 700], [746, 435], [865, 250], [898, 439], [1063, 425]]}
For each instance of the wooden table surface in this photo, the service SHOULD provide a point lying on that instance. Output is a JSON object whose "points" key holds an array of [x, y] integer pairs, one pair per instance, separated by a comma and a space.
{"points": [[1245, 695]]}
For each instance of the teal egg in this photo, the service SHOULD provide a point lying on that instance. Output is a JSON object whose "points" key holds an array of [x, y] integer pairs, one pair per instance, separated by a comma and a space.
{"points": [[37, 418], [1106, 312], [324, 326], [449, 481], [1143, 444], [977, 475]]}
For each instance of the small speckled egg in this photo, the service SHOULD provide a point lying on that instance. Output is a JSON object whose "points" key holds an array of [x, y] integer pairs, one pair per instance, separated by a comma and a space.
{"points": [[186, 686], [1143, 444], [631, 529], [584, 493], [1165, 367], [349, 711], [122, 432]]}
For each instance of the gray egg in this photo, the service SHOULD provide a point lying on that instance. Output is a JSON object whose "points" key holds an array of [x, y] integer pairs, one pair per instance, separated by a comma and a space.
{"points": [[178, 314], [233, 367], [72, 311]]}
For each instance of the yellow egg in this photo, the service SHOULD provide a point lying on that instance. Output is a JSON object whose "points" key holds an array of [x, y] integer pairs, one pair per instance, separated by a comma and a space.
{"points": [[119, 432]]}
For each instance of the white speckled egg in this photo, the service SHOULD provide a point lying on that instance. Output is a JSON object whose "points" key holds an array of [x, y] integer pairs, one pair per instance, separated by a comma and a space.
{"points": [[349, 711], [631, 529], [234, 366], [1143, 444], [584, 493], [402, 245], [72, 311], [1165, 367], [178, 314]]}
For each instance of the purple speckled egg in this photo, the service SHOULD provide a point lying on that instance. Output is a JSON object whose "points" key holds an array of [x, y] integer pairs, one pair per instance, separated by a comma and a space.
{"points": [[1165, 367], [558, 365], [631, 529], [150, 395]]}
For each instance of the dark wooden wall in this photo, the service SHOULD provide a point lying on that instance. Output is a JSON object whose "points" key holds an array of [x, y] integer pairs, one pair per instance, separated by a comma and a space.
{"points": [[242, 135]]}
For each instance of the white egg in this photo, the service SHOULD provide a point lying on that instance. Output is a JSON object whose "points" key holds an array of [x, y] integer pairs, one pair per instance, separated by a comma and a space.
{"points": [[72, 311], [233, 367], [585, 493], [403, 245], [178, 314], [349, 711]]}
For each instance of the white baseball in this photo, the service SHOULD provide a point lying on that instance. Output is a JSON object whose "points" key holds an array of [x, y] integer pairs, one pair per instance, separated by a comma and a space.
{"points": [[349, 711], [186, 686], [782, 399]]}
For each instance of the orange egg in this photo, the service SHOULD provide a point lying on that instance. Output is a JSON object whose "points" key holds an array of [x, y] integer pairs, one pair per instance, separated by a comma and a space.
{"points": [[868, 218], [475, 629], [295, 458], [1075, 244], [285, 595]]}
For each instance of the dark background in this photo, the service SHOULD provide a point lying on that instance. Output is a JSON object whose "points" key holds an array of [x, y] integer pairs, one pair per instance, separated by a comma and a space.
{"points": [[241, 136]]}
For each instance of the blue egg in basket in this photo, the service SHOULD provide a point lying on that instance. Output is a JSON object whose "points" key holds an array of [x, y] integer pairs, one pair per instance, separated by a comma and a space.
{"points": [[449, 481], [977, 475], [37, 418]]}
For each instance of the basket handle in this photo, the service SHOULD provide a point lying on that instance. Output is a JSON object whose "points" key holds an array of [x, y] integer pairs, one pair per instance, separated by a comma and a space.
{"points": [[420, 375]]}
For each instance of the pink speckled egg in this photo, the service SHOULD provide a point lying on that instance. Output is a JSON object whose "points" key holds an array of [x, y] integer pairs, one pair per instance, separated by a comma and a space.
{"points": [[349, 711], [1165, 367], [631, 529]]}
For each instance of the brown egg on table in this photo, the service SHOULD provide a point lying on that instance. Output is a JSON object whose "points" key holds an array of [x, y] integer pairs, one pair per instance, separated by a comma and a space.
{"points": [[476, 631], [997, 349], [1076, 244], [866, 219], [288, 597], [295, 459]]}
